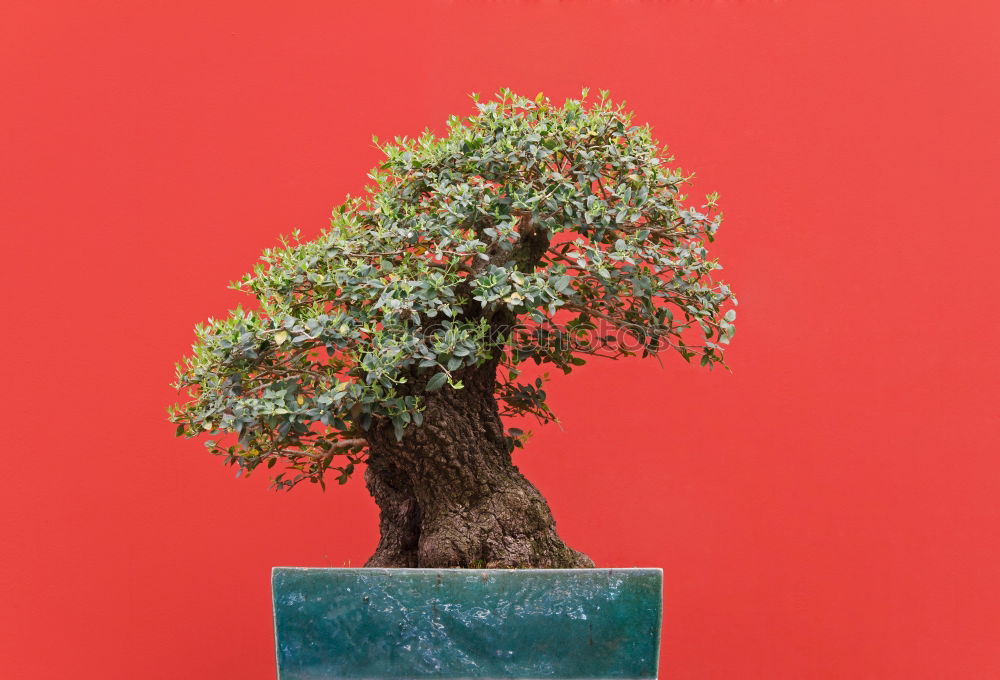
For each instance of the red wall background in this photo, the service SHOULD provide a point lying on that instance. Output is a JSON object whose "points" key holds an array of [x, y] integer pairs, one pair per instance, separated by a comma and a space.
{"points": [[829, 510]]}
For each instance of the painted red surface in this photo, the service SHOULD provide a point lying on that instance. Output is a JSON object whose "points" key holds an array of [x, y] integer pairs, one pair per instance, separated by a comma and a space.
{"points": [[829, 510]]}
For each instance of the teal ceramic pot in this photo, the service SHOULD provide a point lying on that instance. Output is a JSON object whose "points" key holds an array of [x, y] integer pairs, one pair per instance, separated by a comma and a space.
{"points": [[466, 623]]}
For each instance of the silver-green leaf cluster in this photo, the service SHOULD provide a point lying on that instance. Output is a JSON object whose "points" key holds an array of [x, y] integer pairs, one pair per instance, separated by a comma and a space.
{"points": [[566, 221]]}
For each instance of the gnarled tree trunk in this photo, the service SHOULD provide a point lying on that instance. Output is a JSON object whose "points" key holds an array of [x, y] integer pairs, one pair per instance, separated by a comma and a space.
{"points": [[449, 494]]}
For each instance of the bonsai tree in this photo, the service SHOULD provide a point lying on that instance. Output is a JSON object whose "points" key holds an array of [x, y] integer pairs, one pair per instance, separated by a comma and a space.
{"points": [[529, 232]]}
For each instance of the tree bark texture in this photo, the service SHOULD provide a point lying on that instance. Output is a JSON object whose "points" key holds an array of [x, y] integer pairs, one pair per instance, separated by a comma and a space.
{"points": [[449, 494]]}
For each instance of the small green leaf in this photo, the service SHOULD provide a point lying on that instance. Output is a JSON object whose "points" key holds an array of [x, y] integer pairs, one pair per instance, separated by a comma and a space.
{"points": [[437, 382]]}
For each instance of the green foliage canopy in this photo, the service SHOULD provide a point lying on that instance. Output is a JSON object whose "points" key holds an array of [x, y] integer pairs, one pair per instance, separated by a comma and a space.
{"points": [[566, 221]]}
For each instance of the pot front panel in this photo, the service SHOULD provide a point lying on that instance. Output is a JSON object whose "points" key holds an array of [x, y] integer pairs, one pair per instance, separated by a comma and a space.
{"points": [[466, 623]]}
